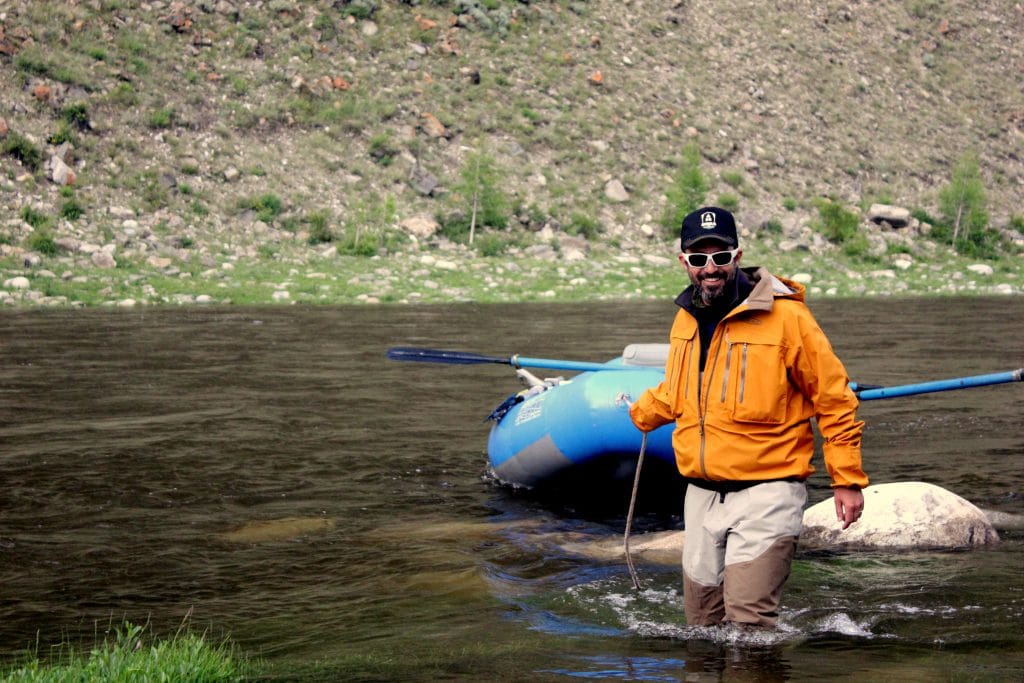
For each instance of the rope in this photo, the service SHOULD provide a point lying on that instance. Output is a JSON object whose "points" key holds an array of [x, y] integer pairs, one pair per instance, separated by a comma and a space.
{"points": [[629, 516]]}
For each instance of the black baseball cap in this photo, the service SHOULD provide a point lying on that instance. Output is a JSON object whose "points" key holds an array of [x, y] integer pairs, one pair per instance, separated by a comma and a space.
{"points": [[709, 222]]}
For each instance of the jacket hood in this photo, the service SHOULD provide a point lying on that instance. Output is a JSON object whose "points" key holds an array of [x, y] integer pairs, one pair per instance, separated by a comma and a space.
{"points": [[768, 287]]}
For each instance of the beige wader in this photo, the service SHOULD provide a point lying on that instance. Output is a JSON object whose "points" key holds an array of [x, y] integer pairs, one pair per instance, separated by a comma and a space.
{"points": [[738, 550]]}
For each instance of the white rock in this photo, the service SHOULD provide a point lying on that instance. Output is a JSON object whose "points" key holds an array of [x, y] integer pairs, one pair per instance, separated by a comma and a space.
{"points": [[903, 263], [204, 299], [421, 226], [802, 278], [981, 269], [20, 282], [103, 259], [615, 191], [902, 515]]}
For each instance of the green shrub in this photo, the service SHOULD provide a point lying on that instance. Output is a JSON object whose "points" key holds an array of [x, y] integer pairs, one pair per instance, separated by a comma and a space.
{"points": [[71, 209], [37, 219], [267, 206], [732, 178], [161, 118], [686, 194], [366, 229], [1017, 223], [22, 149], [583, 225], [836, 223], [381, 149], [360, 9], [789, 204], [41, 240], [64, 134], [123, 94], [75, 114], [728, 201], [319, 227], [491, 245]]}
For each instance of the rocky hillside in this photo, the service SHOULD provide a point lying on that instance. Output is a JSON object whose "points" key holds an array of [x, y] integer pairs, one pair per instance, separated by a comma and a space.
{"points": [[176, 137]]}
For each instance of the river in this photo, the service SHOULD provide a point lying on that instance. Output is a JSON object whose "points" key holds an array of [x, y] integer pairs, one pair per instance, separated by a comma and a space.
{"points": [[266, 475]]}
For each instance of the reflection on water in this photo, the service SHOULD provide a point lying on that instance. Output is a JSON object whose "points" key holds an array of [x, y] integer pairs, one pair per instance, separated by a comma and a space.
{"points": [[270, 472]]}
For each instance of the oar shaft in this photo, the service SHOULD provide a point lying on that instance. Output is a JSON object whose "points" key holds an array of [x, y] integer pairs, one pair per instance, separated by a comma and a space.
{"points": [[942, 385], [518, 361], [463, 358]]}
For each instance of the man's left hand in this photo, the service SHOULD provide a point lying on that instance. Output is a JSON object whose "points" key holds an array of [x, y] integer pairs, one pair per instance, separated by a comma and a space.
{"points": [[849, 505]]}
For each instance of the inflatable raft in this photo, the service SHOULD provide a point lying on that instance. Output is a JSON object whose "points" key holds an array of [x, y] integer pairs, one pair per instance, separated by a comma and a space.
{"points": [[574, 437]]}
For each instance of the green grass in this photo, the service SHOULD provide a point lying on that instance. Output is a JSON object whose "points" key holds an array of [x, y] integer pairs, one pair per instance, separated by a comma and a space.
{"points": [[130, 656]]}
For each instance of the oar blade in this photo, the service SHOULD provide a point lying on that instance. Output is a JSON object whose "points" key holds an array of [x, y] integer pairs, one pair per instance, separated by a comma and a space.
{"points": [[407, 353]]}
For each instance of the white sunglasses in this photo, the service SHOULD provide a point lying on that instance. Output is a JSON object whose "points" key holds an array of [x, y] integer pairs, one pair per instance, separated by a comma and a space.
{"points": [[719, 258]]}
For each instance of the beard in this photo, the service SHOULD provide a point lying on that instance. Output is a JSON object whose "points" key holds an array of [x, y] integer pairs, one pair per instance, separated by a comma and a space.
{"points": [[716, 289]]}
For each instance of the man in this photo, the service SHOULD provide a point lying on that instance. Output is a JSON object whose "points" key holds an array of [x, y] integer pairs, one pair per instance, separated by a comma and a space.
{"points": [[748, 368]]}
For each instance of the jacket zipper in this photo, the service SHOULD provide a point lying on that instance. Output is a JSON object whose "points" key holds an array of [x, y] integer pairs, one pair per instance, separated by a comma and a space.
{"points": [[702, 406], [743, 373]]}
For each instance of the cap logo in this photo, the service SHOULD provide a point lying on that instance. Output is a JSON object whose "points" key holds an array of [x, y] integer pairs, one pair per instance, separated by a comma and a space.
{"points": [[707, 220]]}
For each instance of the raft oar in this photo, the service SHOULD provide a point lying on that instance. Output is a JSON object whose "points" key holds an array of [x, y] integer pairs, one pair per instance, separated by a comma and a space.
{"points": [[516, 361], [867, 392]]}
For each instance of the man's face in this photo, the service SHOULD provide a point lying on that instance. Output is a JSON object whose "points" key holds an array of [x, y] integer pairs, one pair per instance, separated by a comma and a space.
{"points": [[711, 281]]}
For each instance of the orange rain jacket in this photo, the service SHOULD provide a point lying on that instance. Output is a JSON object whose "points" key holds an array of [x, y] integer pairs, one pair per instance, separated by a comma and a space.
{"points": [[769, 370]]}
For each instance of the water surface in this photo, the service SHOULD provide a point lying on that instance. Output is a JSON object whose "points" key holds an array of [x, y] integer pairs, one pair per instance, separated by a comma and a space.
{"points": [[268, 475]]}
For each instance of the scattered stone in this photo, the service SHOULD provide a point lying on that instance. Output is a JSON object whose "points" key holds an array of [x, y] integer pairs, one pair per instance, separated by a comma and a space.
{"points": [[895, 216], [19, 282], [103, 259], [802, 278], [60, 173], [981, 269], [423, 181], [281, 295], [204, 299], [433, 127], [616, 191], [231, 174], [420, 226]]}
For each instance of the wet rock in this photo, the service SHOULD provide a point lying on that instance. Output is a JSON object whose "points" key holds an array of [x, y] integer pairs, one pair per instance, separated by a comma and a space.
{"points": [[902, 515]]}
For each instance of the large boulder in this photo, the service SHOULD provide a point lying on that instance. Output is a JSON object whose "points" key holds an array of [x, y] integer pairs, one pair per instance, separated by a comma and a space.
{"points": [[911, 514]]}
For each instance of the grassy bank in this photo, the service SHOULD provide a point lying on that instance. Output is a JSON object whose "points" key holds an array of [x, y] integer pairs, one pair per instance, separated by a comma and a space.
{"points": [[133, 656], [426, 277]]}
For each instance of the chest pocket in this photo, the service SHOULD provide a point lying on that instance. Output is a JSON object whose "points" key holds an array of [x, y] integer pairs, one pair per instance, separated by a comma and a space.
{"points": [[682, 357], [756, 387]]}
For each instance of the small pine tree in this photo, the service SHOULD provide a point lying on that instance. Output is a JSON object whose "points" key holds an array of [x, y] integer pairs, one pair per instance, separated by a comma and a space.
{"points": [[687, 191]]}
